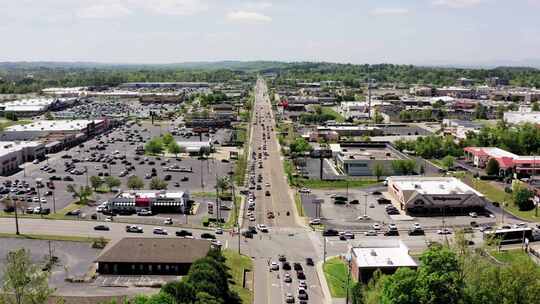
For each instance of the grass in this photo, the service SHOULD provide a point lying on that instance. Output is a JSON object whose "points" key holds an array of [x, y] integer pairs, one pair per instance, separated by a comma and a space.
{"points": [[337, 117], [59, 215], [237, 264], [496, 194], [510, 256], [49, 237], [298, 203], [203, 194], [335, 271], [233, 215]]}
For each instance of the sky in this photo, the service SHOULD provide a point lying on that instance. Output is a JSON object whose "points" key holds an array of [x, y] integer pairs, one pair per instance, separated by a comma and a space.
{"points": [[424, 32]]}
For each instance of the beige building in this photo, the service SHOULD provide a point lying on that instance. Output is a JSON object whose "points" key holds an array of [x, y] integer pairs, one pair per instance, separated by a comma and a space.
{"points": [[434, 195]]}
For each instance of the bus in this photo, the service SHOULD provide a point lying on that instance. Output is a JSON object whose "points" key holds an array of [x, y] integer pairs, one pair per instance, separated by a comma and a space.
{"points": [[508, 236]]}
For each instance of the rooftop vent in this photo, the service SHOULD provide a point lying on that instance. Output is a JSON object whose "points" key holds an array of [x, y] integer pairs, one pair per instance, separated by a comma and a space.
{"points": [[417, 186], [389, 261], [373, 252]]}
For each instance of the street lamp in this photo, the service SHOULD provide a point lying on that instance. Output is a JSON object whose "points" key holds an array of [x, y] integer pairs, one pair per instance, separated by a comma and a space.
{"points": [[16, 214], [38, 183], [348, 257]]}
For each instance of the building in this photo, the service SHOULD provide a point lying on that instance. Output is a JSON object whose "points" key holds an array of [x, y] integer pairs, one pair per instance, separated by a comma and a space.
{"points": [[386, 256], [360, 159], [508, 162], [151, 256], [27, 107], [211, 122], [519, 117], [163, 85], [157, 201], [351, 130], [195, 147], [421, 91], [496, 81], [15, 153], [460, 128], [421, 195]]}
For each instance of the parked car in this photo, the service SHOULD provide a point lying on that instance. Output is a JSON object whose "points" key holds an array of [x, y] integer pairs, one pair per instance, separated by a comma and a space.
{"points": [[102, 228], [330, 232]]}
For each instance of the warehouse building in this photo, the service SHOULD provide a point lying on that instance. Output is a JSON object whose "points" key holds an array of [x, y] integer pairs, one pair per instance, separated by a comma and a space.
{"points": [[420, 195], [15, 153], [360, 159], [44, 128], [157, 201], [151, 256]]}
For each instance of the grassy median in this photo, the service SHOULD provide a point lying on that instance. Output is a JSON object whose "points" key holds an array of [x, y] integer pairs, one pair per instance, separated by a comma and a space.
{"points": [[336, 272], [238, 264]]}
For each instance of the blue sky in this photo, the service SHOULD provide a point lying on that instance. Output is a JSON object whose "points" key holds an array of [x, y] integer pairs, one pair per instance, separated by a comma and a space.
{"points": [[356, 31]]}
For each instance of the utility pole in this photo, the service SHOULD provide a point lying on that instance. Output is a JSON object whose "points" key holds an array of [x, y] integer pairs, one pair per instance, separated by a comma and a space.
{"points": [[53, 202], [369, 93], [349, 258], [16, 215], [324, 250], [38, 182]]}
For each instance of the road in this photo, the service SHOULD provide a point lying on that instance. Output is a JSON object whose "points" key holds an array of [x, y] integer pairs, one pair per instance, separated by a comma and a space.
{"points": [[287, 235]]}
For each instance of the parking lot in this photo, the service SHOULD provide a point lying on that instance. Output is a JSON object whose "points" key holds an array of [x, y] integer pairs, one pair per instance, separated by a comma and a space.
{"points": [[114, 154]]}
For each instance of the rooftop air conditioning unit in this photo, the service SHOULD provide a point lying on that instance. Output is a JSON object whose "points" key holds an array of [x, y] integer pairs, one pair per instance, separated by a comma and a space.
{"points": [[373, 252]]}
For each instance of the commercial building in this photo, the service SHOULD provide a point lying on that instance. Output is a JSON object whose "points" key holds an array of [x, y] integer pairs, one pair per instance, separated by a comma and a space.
{"points": [[421, 195], [386, 256], [350, 130], [508, 162], [519, 117], [32, 107], [360, 159], [15, 153], [157, 201], [151, 256], [163, 85], [460, 128]]}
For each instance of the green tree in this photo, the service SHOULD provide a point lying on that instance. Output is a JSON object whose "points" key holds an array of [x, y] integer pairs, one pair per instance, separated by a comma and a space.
{"points": [[174, 148], [82, 194], [357, 293], [154, 146], [403, 166], [522, 198], [400, 288], [378, 171], [135, 182], [300, 146], [448, 161], [157, 183], [222, 184], [378, 118], [492, 167], [535, 106], [23, 281], [167, 139], [112, 182], [48, 116], [95, 182]]}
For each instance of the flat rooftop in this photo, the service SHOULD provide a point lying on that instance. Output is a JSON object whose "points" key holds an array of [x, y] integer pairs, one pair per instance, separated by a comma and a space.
{"points": [[361, 153], [7, 147], [432, 185], [54, 125], [384, 254], [151, 194]]}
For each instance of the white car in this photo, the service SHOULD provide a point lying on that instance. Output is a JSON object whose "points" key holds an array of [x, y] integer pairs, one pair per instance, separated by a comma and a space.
{"points": [[252, 219], [35, 161], [370, 233], [304, 190], [444, 231], [473, 214], [315, 221], [35, 199], [274, 266], [219, 231], [392, 226], [262, 227], [159, 230], [417, 226], [216, 243], [376, 226], [168, 221]]}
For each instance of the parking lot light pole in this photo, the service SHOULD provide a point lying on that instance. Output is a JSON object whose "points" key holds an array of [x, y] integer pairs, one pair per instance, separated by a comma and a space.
{"points": [[16, 215], [53, 202], [38, 182]]}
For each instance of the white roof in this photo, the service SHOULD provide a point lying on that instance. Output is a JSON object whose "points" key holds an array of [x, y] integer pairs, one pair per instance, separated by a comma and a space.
{"points": [[7, 147], [194, 144], [432, 185], [383, 255], [54, 125], [151, 194]]}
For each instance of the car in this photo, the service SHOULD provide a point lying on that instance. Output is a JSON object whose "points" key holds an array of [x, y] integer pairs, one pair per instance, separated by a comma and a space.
{"points": [[304, 190], [159, 230], [287, 278], [144, 212], [134, 229], [473, 214], [444, 231], [315, 221], [302, 294], [183, 233], [370, 233], [267, 193], [168, 221], [208, 236], [248, 234], [417, 226], [262, 227], [330, 232], [274, 266], [102, 228], [309, 262], [376, 193], [297, 267], [282, 258], [218, 231], [354, 202], [376, 226], [184, 179], [67, 179], [391, 232], [289, 298], [75, 212], [252, 218], [300, 275], [216, 243], [348, 234], [286, 266], [416, 231]]}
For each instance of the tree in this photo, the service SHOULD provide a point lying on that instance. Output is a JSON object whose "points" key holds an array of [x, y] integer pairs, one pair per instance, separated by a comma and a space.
{"points": [[23, 281], [448, 161], [174, 148], [167, 139], [223, 183], [135, 182], [112, 182], [378, 118], [11, 116], [154, 146], [522, 198], [96, 182], [492, 167], [157, 183], [357, 296], [535, 106], [300, 146], [403, 166], [400, 288], [378, 171], [83, 193]]}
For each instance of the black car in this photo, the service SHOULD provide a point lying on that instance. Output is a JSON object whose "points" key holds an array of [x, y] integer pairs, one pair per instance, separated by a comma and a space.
{"points": [[300, 275], [282, 258], [167, 177], [267, 193], [330, 232], [68, 178], [416, 232], [102, 228], [184, 179], [247, 234], [298, 267], [376, 193], [9, 209], [286, 266], [354, 202], [208, 236], [391, 233], [309, 262], [183, 233]]}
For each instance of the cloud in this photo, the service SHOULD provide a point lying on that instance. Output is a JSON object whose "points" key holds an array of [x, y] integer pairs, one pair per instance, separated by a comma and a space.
{"points": [[457, 3], [389, 11], [174, 7], [246, 16], [104, 11]]}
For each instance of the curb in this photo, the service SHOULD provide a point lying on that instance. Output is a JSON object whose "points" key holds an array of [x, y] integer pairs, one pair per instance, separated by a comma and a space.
{"points": [[323, 283]]}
